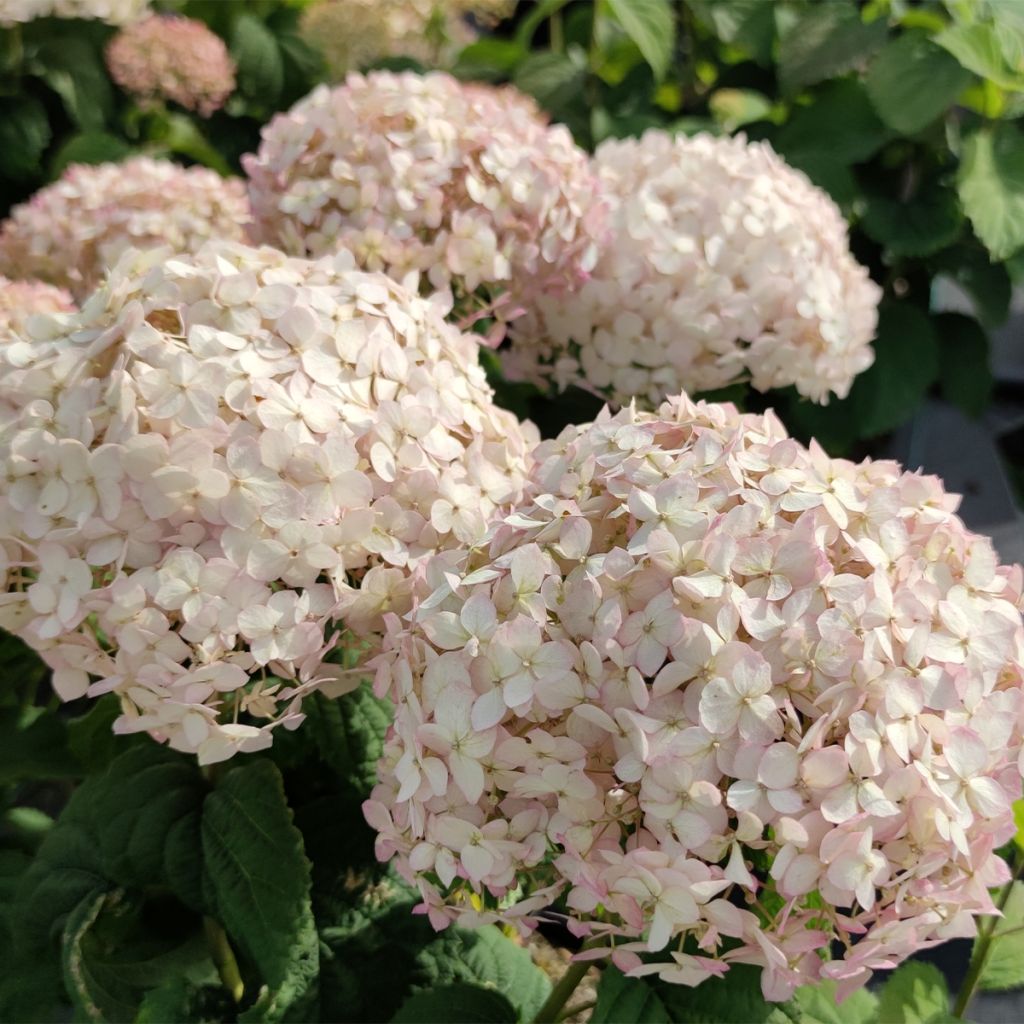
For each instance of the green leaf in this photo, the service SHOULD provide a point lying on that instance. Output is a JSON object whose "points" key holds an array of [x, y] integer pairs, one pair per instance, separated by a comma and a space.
{"points": [[489, 60], [24, 135], [1004, 968], [487, 957], [550, 78], [964, 373], [906, 365], [916, 993], [89, 148], [987, 283], [818, 1004], [733, 108], [538, 13], [912, 82], [181, 135], [456, 1004], [112, 955], [979, 48], [840, 124], [1018, 820], [33, 745], [622, 999], [91, 737], [349, 733], [748, 25], [259, 880], [928, 222], [134, 825], [733, 999], [74, 70], [991, 183], [651, 24], [260, 67], [827, 40]]}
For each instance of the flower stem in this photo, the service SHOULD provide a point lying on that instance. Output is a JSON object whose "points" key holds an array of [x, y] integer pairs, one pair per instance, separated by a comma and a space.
{"points": [[980, 954], [564, 988], [223, 957], [578, 1008]]}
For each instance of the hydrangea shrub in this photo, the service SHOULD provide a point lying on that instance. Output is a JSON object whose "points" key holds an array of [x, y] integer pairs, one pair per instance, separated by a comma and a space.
{"points": [[721, 697], [73, 231], [723, 264], [209, 456], [463, 184]]}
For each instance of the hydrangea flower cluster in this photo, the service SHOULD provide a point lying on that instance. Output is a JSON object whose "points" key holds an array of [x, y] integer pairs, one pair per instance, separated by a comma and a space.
{"points": [[724, 263], [463, 183], [201, 462], [21, 299], [164, 57], [71, 232], [113, 12], [731, 700], [352, 34]]}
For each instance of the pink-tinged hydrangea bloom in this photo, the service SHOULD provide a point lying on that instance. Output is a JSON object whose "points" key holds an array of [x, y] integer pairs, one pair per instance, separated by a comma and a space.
{"points": [[352, 34], [462, 183], [21, 299], [706, 684], [114, 12], [71, 232], [213, 453], [169, 58], [724, 264]]}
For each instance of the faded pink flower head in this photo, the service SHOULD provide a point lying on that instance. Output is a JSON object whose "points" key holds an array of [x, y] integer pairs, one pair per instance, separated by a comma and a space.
{"points": [[165, 57], [706, 685], [20, 300], [72, 232], [218, 448], [464, 184], [724, 264]]}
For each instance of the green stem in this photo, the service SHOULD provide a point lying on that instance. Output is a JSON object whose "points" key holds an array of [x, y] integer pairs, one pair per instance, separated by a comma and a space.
{"points": [[564, 988], [578, 1008], [980, 954], [223, 958]]}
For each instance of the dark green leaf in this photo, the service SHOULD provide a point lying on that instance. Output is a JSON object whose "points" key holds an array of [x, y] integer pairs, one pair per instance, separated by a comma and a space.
{"points": [[746, 24], [24, 135], [551, 79], [1004, 968], [979, 48], [91, 738], [456, 1004], [912, 82], [915, 993], [920, 226], [622, 999], [74, 70], [651, 24], [182, 135], [840, 124], [538, 13], [827, 40], [89, 148], [111, 958], [906, 365], [964, 373], [34, 745], [991, 182], [260, 67], [259, 880], [987, 283], [349, 733]]}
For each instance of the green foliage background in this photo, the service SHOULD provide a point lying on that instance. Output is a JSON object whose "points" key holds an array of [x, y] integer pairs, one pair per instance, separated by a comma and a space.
{"points": [[136, 887]]}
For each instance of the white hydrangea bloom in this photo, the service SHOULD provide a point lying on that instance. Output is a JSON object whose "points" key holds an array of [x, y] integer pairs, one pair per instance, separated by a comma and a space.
{"points": [[725, 263], [202, 463], [114, 12]]}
